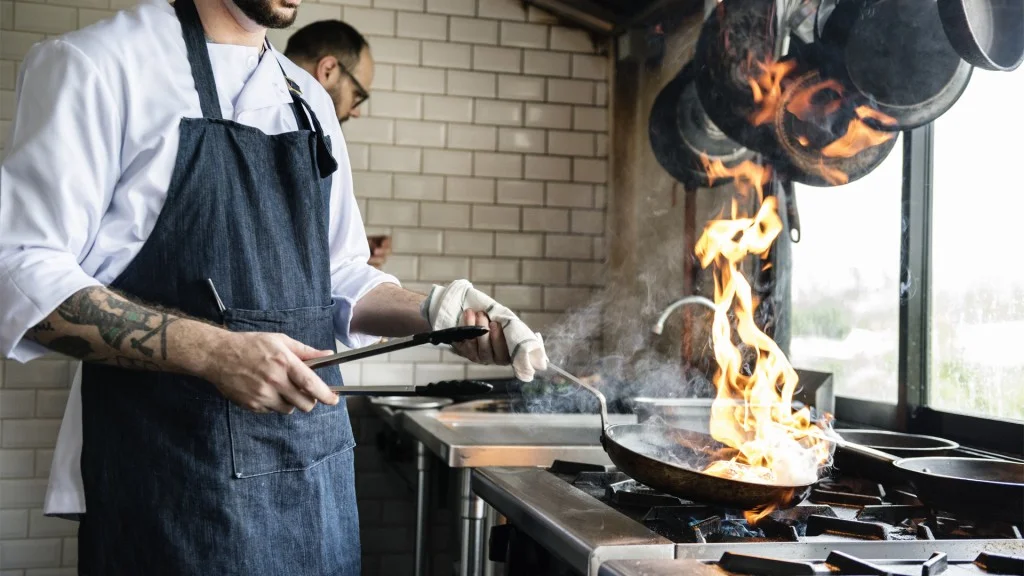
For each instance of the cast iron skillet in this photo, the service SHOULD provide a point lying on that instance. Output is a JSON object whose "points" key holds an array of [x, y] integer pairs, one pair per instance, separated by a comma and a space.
{"points": [[680, 131], [974, 487], [897, 443], [669, 460], [895, 53], [986, 33], [856, 463]]}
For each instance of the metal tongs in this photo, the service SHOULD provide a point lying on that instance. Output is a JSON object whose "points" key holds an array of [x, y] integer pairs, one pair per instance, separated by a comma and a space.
{"points": [[445, 389], [446, 336]]}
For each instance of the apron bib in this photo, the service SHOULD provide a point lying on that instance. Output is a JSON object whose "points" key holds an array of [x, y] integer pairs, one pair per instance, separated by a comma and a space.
{"points": [[178, 480]]}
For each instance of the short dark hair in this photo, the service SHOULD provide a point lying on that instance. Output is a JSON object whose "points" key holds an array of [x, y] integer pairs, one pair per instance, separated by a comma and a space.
{"points": [[326, 38]]}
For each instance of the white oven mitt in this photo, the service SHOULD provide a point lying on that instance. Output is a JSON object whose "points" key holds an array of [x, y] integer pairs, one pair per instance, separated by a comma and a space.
{"points": [[444, 306]]}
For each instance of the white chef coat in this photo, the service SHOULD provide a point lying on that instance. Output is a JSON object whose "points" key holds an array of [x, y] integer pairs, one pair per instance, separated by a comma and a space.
{"points": [[89, 159]]}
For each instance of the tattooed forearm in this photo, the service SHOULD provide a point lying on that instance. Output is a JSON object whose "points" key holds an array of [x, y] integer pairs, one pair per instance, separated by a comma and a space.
{"points": [[118, 318], [98, 324]]}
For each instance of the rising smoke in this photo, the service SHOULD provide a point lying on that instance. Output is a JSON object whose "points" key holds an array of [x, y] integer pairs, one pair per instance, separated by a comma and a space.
{"points": [[611, 336]]}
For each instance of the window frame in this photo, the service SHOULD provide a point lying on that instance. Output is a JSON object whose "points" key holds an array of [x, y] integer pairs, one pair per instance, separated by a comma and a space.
{"points": [[912, 412]]}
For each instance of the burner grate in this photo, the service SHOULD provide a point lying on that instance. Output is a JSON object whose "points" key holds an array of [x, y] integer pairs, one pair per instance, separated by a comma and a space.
{"points": [[818, 525], [746, 564], [822, 496], [633, 493], [569, 468], [892, 513], [999, 564]]}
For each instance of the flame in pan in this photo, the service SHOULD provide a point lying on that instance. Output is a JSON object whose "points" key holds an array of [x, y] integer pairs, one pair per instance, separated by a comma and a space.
{"points": [[752, 411]]}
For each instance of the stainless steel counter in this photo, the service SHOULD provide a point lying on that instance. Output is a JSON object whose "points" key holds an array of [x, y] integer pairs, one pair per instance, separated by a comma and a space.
{"points": [[473, 439], [467, 440], [579, 529], [659, 568]]}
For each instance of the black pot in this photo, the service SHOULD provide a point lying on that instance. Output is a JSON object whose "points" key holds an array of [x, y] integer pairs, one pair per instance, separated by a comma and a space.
{"points": [[683, 137], [735, 37]]}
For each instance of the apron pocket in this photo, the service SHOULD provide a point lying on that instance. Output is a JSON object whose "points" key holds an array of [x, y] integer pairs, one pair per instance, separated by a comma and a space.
{"points": [[271, 443]]}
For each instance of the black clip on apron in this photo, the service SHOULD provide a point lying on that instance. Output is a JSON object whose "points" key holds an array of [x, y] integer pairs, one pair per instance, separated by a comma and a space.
{"points": [[178, 480]]}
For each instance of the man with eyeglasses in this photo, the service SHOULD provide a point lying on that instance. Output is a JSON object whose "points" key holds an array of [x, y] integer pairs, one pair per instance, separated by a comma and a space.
{"points": [[338, 56]]}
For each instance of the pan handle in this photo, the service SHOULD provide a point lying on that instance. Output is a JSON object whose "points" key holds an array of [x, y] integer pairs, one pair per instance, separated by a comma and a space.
{"points": [[600, 397], [870, 453]]}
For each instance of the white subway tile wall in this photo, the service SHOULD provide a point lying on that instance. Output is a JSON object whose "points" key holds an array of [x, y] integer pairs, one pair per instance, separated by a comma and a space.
{"points": [[482, 152]]}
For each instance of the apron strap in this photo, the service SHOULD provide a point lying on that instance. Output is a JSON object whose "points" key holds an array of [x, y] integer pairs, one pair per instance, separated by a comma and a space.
{"points": [[198, 58], [304, 114]]}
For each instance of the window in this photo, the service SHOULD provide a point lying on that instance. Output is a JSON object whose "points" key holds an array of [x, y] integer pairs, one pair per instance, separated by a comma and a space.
{"points": [[845, 309], [977, 295]]}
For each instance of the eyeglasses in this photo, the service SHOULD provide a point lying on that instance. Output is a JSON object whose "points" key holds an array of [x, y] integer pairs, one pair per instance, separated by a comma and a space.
{"points": [[362, 95]]}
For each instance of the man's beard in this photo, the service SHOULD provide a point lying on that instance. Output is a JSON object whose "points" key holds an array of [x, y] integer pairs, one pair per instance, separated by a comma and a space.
{"points": [[262, 12]]}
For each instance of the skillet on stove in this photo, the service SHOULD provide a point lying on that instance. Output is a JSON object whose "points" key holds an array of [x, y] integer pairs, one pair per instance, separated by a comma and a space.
{"points": [[669, 459]]}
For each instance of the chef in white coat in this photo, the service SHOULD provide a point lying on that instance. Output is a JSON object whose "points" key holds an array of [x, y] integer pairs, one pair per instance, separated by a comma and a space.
{"points": [[176, 210]]}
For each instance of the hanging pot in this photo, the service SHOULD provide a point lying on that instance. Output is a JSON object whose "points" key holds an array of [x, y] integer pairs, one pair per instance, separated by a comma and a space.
{"points": [[986, 33], [896, 54], [681, 134], [736, 38], [809, 115]]}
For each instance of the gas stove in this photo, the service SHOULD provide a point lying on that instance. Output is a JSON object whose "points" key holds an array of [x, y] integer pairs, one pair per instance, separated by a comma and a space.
{"points": [[846, 526]]}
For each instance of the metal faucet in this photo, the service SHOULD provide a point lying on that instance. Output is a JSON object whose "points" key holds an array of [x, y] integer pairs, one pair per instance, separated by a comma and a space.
{"points": [[659, 326]]}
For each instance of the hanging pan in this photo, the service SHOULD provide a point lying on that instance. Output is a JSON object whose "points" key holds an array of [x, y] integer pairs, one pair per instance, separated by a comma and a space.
{"points": [[798, 117], [683, 137], [986, 33], [894, 53]]}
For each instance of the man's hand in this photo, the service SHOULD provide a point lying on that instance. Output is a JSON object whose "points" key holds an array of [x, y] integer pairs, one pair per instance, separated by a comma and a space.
{"points": [[265, 372], [256, 370], [459, 303], [490, 348]]}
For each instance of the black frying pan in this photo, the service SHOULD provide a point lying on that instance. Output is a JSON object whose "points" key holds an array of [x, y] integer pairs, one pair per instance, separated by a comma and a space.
{"points": [[894, 53], [986, 33], [970, 486], [855, 463], [898, 444], [669, 459]]}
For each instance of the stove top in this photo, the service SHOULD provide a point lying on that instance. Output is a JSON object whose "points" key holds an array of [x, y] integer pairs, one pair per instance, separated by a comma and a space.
{"points": [[581, 518], [846, 526], [837, 510]]}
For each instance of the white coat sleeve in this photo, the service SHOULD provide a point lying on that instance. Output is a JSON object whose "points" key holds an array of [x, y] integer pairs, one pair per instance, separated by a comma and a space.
{"points": [[63, 160], [351, 275]]}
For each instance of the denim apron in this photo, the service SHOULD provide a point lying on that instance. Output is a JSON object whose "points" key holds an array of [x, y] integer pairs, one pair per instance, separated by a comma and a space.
{"points": [[178, 480]]}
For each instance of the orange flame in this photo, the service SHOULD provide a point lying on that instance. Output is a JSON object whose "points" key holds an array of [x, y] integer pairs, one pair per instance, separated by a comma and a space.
{"points": [[802, 103], [753, 413], [767, 89], [859, 135], [769, 94]]}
